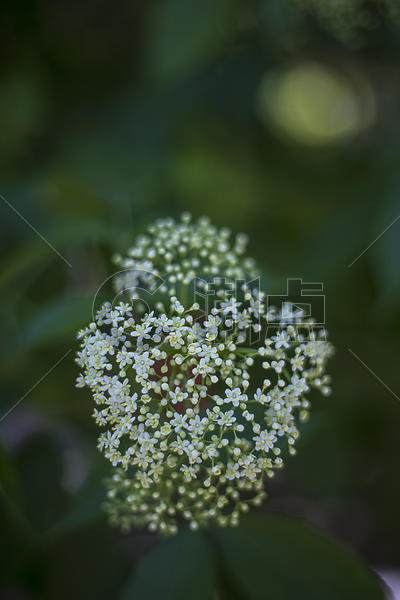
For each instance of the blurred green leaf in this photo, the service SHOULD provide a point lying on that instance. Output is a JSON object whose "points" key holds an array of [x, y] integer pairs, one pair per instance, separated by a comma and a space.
{"points": [[385, 252], [28, 258], [32, 256], [57, 320], [9, 482], [88, 562], [184, 35], [174, 570], [41, 467], [19, 541], [207, 176], [22, 112], [87, 504], [17, 534], [271, 556]]}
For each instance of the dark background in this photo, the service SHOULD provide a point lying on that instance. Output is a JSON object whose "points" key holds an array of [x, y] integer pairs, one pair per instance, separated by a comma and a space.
{"points": [[279, 119]]}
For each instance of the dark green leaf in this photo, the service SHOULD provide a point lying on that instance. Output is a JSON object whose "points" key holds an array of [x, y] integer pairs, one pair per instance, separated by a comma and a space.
{"points": [[9, 482], [185, 34], [87, 505], [175, 570], [272, 556], [384, 254], [57, 320], [41, 467]]}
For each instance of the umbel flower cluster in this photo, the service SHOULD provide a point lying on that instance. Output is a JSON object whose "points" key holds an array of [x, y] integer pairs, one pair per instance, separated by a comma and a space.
{"points": [[197, 401]]}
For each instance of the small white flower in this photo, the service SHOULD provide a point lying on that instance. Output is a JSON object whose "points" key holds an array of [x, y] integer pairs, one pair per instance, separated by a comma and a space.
{"points": [[232, 471], [234, 396], [226, 418], [178, 422], [265, 441], [177, 395], [230, 306]]}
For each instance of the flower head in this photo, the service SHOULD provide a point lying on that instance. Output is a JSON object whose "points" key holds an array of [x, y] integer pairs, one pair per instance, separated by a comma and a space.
{"points": [[189, 425]]}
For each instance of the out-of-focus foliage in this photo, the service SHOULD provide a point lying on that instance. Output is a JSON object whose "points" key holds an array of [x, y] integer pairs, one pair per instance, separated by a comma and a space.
{"points": [[266, 556], [352, 20], [257, 114]]}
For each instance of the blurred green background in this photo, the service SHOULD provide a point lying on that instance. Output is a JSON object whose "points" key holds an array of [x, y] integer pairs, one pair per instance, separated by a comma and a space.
{"points": [[280, 119]]}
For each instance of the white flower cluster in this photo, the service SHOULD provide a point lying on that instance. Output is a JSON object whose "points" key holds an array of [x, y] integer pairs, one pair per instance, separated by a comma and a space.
{"points": [[194, 414], [175, 255]]}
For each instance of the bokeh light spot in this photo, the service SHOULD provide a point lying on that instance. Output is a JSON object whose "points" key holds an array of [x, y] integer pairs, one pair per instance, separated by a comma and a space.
{"points": [[315, 105]]}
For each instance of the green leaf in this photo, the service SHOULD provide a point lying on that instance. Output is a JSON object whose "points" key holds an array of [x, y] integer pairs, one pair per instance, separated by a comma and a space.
{"points": [[57, 320], [9, 481], [28, 259], [40, 464], [206, 177], [32, 256], [22, 111], [384, 253], [175, 570], [277, 557], [185, 35], [87, 505]]}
